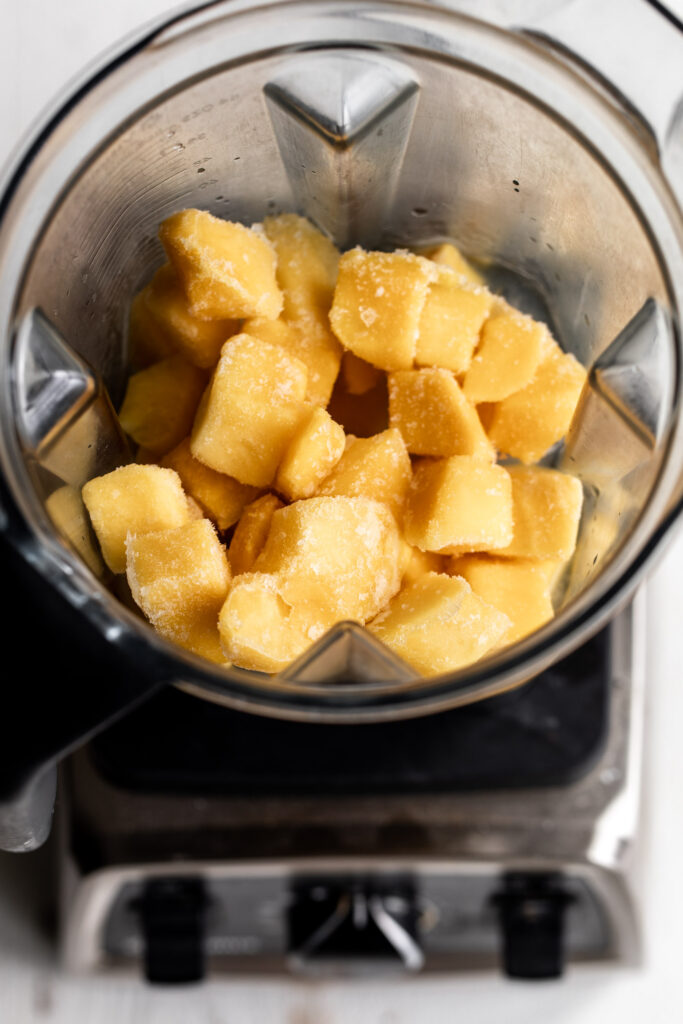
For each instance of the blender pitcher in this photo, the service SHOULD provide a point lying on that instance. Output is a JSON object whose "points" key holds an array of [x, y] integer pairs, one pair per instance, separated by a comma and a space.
{"points": [[507, 127]]}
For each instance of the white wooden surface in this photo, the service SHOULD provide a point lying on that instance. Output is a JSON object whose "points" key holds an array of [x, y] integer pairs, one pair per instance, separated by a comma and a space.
{"points": [[42, 45]]}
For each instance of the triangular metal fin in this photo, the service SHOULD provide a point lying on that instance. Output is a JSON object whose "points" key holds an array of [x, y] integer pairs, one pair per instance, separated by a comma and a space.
{"points": [[64, 417], [348, 653], [625, 407], [342, 122]]}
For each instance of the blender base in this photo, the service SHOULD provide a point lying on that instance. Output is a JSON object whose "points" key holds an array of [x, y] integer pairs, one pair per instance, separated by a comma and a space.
{"points": [[198, 839]]}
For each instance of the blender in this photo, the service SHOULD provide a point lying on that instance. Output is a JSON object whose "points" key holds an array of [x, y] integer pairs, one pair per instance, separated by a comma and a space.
{"points": [[385, 819]]}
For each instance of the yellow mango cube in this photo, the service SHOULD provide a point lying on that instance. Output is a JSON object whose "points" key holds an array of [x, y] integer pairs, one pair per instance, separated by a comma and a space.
{"points": [[178, 578], [221, 497], [307, 263], [415, 563], [194, 509], [311, 342], [372, 467], [251, 410], [447, 255], [359, 377], [434, 417], [251, 532], [259, 630], [361, 415], [378, 303], [66, 510], [452, 318], [133, 499], [274, 332], [336, 555], [528, 423], [459, 503], [314, 450], [437, 624], [516, 586], [147, 342], [201, 637], [546, 508], [199, 341], [507, 358], [160, 403], [227, 270]]}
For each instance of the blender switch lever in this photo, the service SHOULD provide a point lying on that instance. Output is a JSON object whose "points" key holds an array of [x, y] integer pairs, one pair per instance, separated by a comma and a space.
{"points": [[172, 917], [531, 910], [350, 927]]}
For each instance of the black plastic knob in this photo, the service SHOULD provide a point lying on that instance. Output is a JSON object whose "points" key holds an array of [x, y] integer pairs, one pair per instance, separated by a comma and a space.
{"points": [[532, 908], [172, 917]]}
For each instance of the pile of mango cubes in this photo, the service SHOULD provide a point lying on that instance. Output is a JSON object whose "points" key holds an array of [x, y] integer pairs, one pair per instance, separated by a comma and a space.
{"points": [[318, 440]]}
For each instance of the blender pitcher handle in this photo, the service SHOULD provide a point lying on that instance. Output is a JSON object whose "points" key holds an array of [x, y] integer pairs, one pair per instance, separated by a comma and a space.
{"points": [[63, 681]]}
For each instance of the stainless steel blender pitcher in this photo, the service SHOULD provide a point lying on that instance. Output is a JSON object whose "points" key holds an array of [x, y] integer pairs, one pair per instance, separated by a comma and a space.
{"points": [[546, 139]]}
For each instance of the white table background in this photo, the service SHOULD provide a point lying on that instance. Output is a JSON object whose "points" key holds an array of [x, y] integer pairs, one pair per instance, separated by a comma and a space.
{"points": [[43, 43]]}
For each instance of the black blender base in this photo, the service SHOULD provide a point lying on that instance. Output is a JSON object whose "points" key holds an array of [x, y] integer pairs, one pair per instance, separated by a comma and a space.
{"points": [[547, 733]]}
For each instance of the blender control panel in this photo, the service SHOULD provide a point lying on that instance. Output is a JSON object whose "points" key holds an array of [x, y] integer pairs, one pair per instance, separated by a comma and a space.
{"points": [[354, 921]]}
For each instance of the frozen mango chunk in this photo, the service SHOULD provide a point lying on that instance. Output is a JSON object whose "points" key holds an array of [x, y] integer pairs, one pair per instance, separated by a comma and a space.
{"points": [[194, 509], [373, 467], [307, 263], [259, 630], [200, 341], [361, 415], [202, 638], [546, 508], [66, 510], [251, 410], [337, 555], [447, 255], [160, 403], [178, 578], [251, 532], [415, 563], [434, 417], [133, 499], [310, 341], [314, 450], [532, 420], [507, 358], [274, 332], [378, 303], [221, 497], [437, 624], [516, 586], [147, 342], [452, 318], [359, 376], [459, 503], [227, 270]]}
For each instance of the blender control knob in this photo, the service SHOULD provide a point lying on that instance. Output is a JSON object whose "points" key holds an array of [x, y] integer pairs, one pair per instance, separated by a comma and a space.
{"points": [[531, 909], [353, 926], [171, 912]]}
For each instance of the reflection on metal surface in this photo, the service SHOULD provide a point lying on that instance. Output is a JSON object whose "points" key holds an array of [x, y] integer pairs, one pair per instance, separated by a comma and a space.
{"points": [[64, 416], [349, 654], [342, 123], [617, 436]]}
